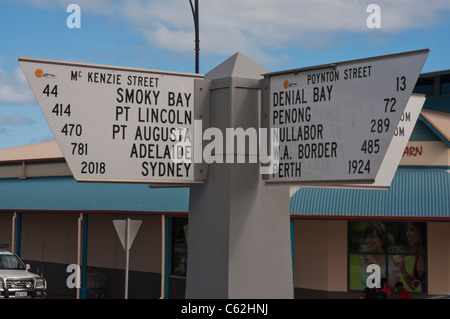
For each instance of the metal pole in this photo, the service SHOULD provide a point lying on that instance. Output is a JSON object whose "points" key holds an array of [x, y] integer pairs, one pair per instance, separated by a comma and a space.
{"points": [[197, 39], [167, 254], [13, 233], [84, 292], [18, 247], [163, 256], [197, 34], [127, 255], [79, 248]]}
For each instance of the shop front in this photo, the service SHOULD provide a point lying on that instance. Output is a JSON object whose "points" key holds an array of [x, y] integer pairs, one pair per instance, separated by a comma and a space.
{"points": [[52, 221], [405, 230]]}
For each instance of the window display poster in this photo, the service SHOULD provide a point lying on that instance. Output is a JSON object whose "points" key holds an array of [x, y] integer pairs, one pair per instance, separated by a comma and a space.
{"points": [[399, 248]]}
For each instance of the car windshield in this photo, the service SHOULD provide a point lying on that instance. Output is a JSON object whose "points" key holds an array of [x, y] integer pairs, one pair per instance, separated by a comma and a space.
{"points": [[10, 262]]}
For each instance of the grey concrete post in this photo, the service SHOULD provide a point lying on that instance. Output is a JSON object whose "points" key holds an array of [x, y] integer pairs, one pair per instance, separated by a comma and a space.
{"points": [[239, 231]]}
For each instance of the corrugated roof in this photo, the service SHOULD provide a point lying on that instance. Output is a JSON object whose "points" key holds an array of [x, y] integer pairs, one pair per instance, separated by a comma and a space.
{"points": [[438, 122], [415, 193], [65, 194], [434, 73], [33, 152]]}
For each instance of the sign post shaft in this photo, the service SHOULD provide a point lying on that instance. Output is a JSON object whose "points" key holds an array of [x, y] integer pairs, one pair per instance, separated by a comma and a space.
{"points": [[127, 230], [230, 254]]}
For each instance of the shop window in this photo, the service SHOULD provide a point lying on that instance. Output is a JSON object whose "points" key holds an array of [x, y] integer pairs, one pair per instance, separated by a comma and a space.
{"points": [[178, 264], [424, 86], [398, 248], [445, 85]]}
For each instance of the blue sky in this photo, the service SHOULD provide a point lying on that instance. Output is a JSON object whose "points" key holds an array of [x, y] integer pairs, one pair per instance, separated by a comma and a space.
{"points": [[159, 34]]}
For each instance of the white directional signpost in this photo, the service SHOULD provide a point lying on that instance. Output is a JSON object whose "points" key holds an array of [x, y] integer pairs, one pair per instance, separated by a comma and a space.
{"points": [[336, 121], [332, 125], [118, 124], [127, 230]]}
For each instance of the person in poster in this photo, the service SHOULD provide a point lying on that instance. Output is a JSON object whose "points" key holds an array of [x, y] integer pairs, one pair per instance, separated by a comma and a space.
{"points": [[398, 248], [413, 268], [377, 241]]}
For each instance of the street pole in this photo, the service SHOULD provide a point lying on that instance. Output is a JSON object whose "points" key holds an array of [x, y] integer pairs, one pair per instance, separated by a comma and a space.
{"points": [[194, 9], [127, 255], [238, 258]]}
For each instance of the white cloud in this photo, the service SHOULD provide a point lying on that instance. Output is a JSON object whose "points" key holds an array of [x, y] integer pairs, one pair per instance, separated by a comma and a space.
{"points": [[14, 87], [15, 120], [176, 40], [255, 27]]}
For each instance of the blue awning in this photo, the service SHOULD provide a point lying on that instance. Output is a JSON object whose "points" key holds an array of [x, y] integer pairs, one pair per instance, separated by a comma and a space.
{"points": [[66, 194], [414, 193]]}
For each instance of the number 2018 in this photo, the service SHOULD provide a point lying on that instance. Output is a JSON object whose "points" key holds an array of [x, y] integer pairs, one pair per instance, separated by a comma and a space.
{"points": [[93, 168]]}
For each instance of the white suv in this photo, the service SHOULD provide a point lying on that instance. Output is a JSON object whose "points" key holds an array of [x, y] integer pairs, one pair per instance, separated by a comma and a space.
{"points": [[15, 279]]}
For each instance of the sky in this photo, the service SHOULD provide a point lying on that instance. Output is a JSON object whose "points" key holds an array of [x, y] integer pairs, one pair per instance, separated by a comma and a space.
{"points": [[159, 35]]}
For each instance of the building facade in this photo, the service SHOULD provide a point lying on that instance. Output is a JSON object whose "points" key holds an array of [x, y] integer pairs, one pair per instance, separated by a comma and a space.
{"points": [[51, 221], [405, 229]]}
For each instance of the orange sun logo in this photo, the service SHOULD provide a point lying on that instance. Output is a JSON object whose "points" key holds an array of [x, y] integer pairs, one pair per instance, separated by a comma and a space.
{"points": [[286, 84], [38, 73]]}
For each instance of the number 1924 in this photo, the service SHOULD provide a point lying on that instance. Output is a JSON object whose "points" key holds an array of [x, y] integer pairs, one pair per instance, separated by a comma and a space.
{"points": [[359, 167]]}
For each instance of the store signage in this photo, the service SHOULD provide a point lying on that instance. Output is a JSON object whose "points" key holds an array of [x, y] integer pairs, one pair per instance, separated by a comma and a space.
{"points": [[117, 124], [335, 122]]}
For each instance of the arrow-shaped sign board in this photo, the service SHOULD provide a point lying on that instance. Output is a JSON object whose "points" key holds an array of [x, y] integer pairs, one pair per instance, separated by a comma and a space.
{"points": [[334, 123], [117, 124], [396, 149]]}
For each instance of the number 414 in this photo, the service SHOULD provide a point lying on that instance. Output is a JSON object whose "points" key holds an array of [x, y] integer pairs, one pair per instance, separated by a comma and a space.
{"points": [[61, 110]]}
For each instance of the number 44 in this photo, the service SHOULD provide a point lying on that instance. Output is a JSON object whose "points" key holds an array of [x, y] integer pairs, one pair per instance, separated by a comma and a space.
{"points": [[53, 91]]}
